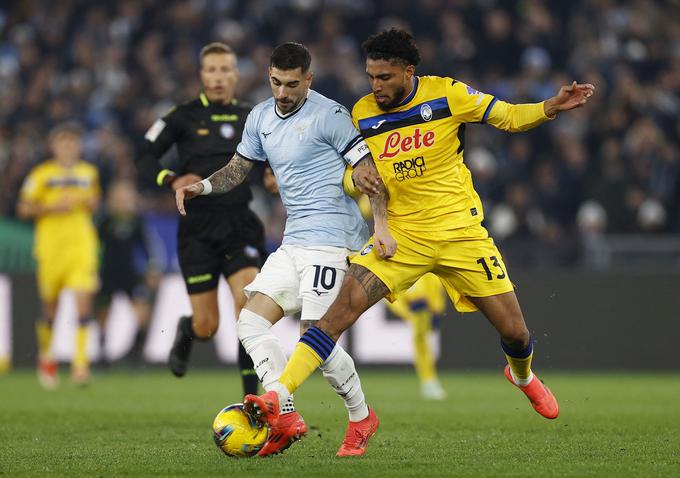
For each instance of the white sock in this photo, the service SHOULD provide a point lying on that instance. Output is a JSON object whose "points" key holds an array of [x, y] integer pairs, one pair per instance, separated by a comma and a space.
{"points": [[340, 372], [254, 332], [522, 382]]}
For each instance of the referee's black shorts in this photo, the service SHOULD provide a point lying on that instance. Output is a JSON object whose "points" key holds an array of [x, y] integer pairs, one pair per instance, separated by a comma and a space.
{"points": [[218, 240]]}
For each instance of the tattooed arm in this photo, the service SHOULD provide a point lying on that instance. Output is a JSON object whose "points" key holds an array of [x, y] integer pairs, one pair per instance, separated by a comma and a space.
{"points": [[219, 182], [366, 174]]}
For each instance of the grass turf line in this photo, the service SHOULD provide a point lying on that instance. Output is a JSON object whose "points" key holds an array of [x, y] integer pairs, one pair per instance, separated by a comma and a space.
{"points": [[153, 424]]}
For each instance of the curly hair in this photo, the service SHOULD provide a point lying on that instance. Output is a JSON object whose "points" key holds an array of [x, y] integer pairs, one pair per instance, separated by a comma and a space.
{"points": [[392, 45]]}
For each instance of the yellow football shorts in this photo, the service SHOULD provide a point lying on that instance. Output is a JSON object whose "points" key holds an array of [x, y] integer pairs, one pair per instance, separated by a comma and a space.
{"points": [[69, 269], [467, 262]]}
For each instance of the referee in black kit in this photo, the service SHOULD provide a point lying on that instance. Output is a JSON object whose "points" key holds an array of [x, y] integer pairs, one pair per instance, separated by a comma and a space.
{"points": [[219, 234]]}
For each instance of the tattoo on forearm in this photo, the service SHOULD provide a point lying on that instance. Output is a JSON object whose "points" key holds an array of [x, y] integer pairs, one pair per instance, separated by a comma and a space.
{"points": [[378, 201], [230, 175], [375, 288], [306, 324]]}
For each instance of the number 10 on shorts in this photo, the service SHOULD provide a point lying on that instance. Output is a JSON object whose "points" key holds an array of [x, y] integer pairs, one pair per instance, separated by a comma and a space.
{"points": [[324, 276]]}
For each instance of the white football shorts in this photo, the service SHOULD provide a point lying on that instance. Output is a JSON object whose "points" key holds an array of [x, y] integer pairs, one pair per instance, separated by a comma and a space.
{"points": [[305, 279]]}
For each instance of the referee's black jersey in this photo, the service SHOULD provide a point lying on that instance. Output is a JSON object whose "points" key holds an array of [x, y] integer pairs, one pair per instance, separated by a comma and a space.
{"points": [[206, 135]]}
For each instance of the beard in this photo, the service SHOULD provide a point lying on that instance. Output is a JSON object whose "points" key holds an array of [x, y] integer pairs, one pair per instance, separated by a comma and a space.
{"points": [[399, 95]]}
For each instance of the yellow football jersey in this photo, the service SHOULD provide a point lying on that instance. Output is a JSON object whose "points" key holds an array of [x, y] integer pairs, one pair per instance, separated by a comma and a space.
{"points": [[418, 150], [48, 184]]}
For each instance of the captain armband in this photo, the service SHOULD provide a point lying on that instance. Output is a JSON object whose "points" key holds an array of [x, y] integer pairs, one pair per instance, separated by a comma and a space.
{"points": [[356, 151]]}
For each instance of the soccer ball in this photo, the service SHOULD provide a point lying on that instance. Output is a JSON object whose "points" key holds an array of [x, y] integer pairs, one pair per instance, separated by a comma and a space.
{"points": [[238, 434]]}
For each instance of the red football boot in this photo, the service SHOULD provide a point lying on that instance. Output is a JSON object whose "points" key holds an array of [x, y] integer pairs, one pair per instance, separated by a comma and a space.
{"points": [[289, 428], [264, 408], [48, 374], [358, 434], [540, 396]]}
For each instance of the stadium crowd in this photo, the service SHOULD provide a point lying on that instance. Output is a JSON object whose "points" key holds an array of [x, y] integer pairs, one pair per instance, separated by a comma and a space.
{"points": [[613, 167]]}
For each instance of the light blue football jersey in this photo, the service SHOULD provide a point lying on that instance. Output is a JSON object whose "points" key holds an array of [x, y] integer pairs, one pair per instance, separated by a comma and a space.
{"points": [[307, 152]]}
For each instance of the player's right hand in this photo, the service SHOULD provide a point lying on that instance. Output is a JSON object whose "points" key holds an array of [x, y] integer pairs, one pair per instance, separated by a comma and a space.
{"points": [[385, 245], [185, 180], [185, 193]]}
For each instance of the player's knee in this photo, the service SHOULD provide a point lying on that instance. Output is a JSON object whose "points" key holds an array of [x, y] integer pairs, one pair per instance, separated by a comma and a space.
{"points": [[205, 325], [516, 337], [239, 301], [252, 329]]}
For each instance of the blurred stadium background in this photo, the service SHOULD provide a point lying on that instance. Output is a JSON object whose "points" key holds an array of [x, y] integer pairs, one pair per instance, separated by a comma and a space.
{"points": [[585, 209]]}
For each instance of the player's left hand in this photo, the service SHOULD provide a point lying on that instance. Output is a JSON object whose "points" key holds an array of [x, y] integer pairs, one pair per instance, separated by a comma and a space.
{"points": [[366, 181], [385, 245], [568, 98], [186, 193]]}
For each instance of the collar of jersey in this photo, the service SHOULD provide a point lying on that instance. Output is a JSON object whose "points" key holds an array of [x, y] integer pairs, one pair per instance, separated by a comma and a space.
{"points": [[288, 115], [411, 95], [206, 102]]}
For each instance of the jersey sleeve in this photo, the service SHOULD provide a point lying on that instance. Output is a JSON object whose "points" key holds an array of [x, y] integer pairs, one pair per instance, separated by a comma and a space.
{"points": [[165, 132], [32, 187], [159, 138], [250, 146], [515, 118], [343, 135], [95, 187], [467, 104]]}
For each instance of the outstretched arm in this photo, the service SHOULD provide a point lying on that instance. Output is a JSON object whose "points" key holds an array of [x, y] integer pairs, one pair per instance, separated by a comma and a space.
{"points": [[219, 182], [367, 179], [568, 98], [522, 117]]}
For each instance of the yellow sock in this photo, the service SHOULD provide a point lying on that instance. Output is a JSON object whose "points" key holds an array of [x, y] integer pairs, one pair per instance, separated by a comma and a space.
{"points": [[80, 357], [301, 365], [521, 367], [43, 330], [424, 359]]}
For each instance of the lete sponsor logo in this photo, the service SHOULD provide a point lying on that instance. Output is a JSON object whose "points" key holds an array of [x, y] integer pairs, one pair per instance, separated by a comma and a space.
{"points": [[395, 143]]}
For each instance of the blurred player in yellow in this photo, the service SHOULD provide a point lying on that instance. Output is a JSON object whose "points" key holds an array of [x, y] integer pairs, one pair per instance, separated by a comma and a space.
{"points": [[60, 194], [415, 129], [418, 306]]}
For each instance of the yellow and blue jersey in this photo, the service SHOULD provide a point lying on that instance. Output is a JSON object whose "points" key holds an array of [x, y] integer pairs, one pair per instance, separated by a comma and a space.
{"points": [[48, 184], [418, 150]]}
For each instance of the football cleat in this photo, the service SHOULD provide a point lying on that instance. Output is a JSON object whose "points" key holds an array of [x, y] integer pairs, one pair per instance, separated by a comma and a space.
{"points": [[289, 428], [180, 351], [264, 408], [358, 434], [432, 390], [540, 396], [47, 374]]}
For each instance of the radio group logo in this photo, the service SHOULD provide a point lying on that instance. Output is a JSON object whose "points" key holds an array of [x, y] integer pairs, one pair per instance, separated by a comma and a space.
{"points": [[409, 168]]}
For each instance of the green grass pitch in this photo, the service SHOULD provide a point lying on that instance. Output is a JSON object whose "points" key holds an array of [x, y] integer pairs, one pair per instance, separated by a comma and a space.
{"points": [[153, 424]]}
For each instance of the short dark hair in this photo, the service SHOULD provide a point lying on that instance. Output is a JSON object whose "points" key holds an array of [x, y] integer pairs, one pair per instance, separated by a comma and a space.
{"points": [[291, 55], [215, 47], [392, 45]]}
